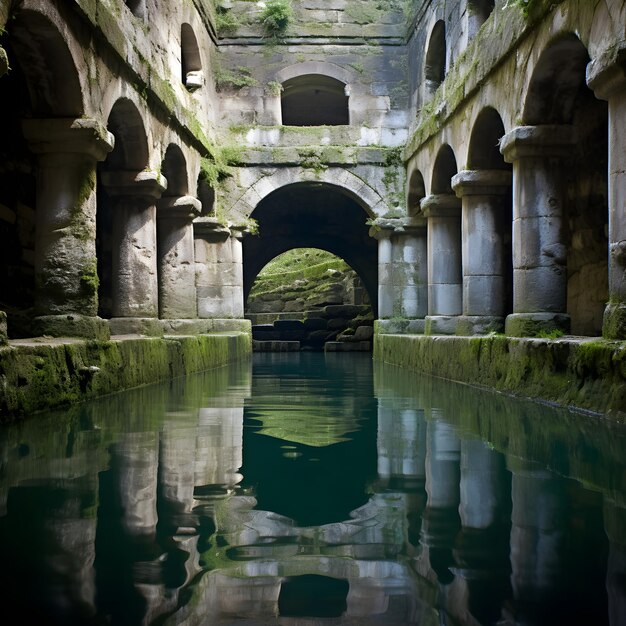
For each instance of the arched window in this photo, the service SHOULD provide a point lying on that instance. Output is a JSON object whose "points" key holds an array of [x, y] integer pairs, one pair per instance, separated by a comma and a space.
{"points": [[191, 65], [435, 68], [314, 100], [137, 7], [477, 13]]}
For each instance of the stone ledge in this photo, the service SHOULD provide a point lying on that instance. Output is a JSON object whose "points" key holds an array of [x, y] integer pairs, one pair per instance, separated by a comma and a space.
{"points": [[39, 373], [582, 373]]}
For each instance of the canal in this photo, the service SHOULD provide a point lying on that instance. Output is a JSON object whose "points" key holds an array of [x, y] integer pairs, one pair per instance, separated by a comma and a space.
{"points": [[307, 489]]}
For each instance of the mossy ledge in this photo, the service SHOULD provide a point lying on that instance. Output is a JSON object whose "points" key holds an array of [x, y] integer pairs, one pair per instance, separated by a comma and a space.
{"points": [[54, 373], [580, 373]]}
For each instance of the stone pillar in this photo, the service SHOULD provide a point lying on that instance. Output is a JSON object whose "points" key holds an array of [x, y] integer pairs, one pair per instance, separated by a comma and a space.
{"points": [[134, 267], [177, 271], [219, 270], [607, 78], [445, 282], [66, 279], [539, 251], [482, 194], [4, 62], [402, 274]]}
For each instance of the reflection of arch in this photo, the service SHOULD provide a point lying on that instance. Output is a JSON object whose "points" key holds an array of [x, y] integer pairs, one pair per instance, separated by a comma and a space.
{"points": [[131, 144], [435, 65], [417, 191], [312, 215], [556, 82], [314, 100], [47, 63], [350, 184], [175, 171], [191, 64], [484, 147], [443, 170]]}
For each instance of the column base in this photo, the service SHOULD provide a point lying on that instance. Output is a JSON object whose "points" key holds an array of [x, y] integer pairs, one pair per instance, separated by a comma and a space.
{"points": [[149, 326], [536, 324], [479, 325], [400, 326], [72, 325], [185, 326], [440, 324], [614, 322]]}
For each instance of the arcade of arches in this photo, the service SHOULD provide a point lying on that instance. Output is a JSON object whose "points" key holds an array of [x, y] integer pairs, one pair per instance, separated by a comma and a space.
{"points": [[471, 174]]}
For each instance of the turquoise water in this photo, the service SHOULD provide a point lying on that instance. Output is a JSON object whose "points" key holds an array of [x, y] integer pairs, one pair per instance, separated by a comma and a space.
{"points": [[310, 489]]}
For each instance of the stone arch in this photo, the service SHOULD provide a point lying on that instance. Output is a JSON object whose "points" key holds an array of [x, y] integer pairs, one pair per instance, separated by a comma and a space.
{"points": [[367, 197], [131, 142], [443, 170], [478, 11], [417, 191], [323, 68], [484, 145], [136, 7], [314, 100], [174, 168], [328, 217], [435, 60], [48, 66], [556, 82], [190, 60]]}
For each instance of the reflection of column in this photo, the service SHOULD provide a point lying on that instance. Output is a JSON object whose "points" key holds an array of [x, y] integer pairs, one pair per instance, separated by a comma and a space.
{"points": [[134, 268], [445, 282], [482, 546], [402, 275], [483, 194], [441, 517], [177, 272], [607, 78], [66, 297], [219, 270], [539, 252], [615, 528], [538, 544]]}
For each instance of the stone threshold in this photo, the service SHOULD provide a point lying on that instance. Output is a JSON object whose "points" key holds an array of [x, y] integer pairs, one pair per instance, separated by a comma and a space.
{"points": [[582, 373]]}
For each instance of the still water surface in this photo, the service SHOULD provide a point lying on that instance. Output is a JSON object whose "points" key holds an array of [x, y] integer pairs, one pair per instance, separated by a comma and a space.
{"points": [[310, 489]]}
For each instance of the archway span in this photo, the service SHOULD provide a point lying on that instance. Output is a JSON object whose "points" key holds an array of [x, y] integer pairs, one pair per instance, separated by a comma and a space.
{"points": [[131, 143], [557, 81], [444, 169], [417, 190], [48, 65], [484, 147], [435, 63], [306, 215], [314, 100], [348, 183], [314, 67], [175, 171]]}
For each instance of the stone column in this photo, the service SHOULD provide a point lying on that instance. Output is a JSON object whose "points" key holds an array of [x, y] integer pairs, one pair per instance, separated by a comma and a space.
{"points": [[402, 274], [66, 279], [134, 267], [445, 282], [607, 77], [482, 194], [4, 62], [219, 270], [177, 271], [539, 252]]}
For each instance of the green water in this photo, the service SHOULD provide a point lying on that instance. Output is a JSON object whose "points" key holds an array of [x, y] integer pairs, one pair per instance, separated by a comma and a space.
{"points": [[311, 489]]}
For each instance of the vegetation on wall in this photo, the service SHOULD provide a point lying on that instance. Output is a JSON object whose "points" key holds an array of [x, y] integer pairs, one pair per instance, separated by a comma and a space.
{"points": [[276, 16]]}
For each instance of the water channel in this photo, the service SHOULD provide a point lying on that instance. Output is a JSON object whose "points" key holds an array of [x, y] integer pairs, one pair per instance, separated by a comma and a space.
{"points": [[307, 489]]}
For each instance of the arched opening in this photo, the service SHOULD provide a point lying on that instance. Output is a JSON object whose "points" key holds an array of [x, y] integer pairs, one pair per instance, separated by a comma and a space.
{"points": [[484, 154], [191, 64], [137, 7], [314, 100], [558, 94], [206, 194], [174, 169], [477, 13], [42, 83], [417, 191], [443, 171], [311, 286], [435, 64], [130, 154]]}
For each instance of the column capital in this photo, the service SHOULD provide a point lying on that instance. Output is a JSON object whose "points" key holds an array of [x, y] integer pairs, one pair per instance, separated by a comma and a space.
{"points": [[123, 183], [548, 140], [183, 207], [441, 205], [481, 182], [68, 136], [606, 74], [210, 229]]}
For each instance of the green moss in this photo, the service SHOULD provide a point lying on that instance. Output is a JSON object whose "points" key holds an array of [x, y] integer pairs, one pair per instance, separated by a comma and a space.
{"points": [[276, 16], [89, 281]]}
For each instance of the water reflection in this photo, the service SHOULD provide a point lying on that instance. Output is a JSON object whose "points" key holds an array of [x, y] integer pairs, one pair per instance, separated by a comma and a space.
{"points": [[318, 491]]}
